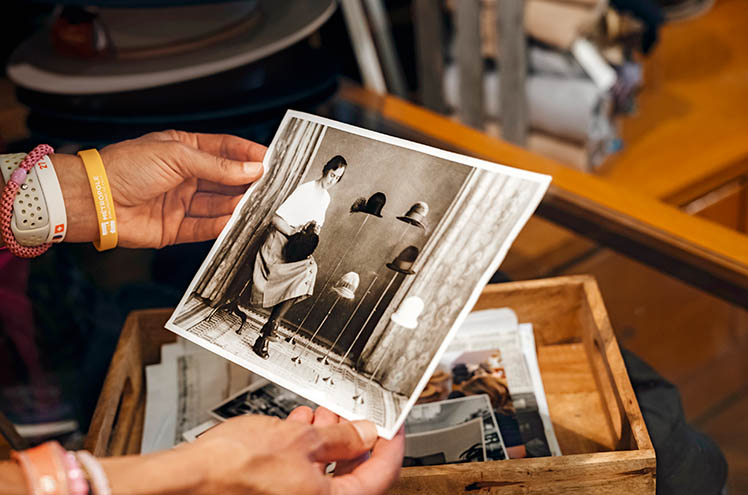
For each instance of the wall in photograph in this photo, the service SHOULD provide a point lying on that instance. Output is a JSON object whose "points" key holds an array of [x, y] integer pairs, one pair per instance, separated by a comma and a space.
{"points": [[347, 244], [488, 203]]}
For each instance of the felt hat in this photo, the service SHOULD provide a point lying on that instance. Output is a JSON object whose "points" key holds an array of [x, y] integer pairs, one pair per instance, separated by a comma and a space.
{"points": [[408, 312], [404, 261], [346, 285], [372, 206], [416, 215]]}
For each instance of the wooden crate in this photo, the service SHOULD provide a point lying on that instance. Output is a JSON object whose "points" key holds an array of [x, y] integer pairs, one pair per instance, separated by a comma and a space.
{"points": [[593, 408]]}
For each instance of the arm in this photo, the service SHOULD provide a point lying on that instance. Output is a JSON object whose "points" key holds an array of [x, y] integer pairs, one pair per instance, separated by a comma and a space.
{"points": [[168, 472], [253, 454], [282, 226], [168, 187]]}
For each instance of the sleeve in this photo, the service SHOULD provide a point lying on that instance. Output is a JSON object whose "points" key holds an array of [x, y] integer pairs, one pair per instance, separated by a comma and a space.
{"points": [[321, 214], [289, 210]]}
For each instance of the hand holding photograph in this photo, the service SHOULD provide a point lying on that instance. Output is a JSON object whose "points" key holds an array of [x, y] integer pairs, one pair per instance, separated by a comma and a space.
{"points": [[344, 272]]}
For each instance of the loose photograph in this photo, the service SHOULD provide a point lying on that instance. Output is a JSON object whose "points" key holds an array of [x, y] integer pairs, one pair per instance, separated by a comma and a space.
{"points": [[345, 270]]}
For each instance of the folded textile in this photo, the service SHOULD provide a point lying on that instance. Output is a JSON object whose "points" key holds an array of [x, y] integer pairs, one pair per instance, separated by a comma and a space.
{"points": [[555, 22], [558, 23], [571, 108], [553, 62]]}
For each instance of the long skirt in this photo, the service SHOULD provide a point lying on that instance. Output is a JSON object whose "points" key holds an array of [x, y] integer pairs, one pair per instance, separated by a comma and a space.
{"points": [[274, 280]]}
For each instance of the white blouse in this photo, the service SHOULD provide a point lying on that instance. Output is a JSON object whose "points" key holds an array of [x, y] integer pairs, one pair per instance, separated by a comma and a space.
{"points": [[308, 202]]}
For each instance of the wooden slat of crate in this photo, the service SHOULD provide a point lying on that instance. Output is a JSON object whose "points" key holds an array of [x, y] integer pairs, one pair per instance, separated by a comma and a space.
{"points": [[592, 405]]}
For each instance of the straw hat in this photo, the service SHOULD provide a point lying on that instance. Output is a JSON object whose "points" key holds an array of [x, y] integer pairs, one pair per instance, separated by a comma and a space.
{"points": [[346, 286], [404, 261]]}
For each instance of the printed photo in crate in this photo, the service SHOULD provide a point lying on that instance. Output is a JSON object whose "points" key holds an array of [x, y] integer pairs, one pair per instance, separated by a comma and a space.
{"points": [[345, 269], [439, 415], [263, 397], [450, 445], [484, 373]]}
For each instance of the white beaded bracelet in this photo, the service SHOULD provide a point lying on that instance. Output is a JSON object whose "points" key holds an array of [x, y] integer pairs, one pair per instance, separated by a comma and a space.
{"points": [[96, 475]]}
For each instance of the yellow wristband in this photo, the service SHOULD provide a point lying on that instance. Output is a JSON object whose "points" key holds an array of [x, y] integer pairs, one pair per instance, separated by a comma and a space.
{"points": [[102, 196]]}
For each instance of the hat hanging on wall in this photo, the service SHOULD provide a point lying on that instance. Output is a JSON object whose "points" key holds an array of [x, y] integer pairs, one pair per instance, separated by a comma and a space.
{"points": [[372, 206], [408, 312], [347, 285], [404, 261], [416, 215]]}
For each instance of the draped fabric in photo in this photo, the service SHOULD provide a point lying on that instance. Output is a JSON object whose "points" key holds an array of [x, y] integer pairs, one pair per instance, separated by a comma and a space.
{"points": [[231, 269]]}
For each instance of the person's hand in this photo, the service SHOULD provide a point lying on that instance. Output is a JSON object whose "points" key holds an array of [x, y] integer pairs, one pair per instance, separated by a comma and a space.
{"points": [[370, 473], [168, 187], [313, 224], [261, 454]]}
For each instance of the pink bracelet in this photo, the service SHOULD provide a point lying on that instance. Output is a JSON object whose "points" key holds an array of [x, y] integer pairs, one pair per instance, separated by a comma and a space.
{"points": [[6, 204], [44, 469], [96, 475]]}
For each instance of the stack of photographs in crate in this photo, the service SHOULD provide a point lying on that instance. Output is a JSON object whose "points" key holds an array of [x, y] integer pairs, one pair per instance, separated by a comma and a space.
{"points": [[345, 271], [489, 371], [180, 390]]}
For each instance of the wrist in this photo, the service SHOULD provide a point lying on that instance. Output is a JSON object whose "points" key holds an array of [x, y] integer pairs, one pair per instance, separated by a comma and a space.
{"points": [[174, 471], [79, 204], [12, 480]]}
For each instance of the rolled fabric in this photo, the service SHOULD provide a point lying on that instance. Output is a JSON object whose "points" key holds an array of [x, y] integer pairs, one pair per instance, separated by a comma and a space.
{"points": [[571, 108], [553, 62]]}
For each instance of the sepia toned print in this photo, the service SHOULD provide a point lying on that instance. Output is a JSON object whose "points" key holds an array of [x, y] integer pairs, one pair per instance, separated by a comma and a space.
{"points": [[346, 268]]}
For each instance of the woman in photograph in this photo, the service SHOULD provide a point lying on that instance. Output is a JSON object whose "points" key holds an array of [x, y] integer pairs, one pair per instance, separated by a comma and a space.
{"points": [[280, 279]]}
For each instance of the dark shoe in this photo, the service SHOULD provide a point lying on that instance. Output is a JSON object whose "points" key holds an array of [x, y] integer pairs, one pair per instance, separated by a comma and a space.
{"points": [[260, 347], [269, 330]]}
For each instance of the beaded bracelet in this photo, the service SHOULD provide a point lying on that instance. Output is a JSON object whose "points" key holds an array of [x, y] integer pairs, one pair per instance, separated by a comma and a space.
{"points": [[96, 475], [17, 178]]}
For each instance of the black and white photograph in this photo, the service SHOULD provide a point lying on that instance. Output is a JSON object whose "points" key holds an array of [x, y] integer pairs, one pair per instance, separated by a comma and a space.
{"points": [[345, 270], [450, 445], [262, 397], [443, 414]]}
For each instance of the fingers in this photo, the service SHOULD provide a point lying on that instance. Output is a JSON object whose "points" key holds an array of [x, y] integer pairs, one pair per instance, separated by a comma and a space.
{"points": [[345, 467], [201, 229], [232, 147], [344, 441], [301, 414], [192, 162], [225, 145], [212, 205], [376, 474], [208, 186], [325, 417]]}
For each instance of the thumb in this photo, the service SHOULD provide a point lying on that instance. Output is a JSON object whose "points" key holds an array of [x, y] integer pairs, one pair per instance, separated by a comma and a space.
{"points": [[344, 441], [206, 166]]}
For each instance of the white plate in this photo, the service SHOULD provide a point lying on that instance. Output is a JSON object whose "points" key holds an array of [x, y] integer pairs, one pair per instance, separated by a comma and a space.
{"points": [[36, 66]]}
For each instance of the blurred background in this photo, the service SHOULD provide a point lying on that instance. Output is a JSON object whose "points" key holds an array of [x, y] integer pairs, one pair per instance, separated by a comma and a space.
{"points": [[651, 95]]}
